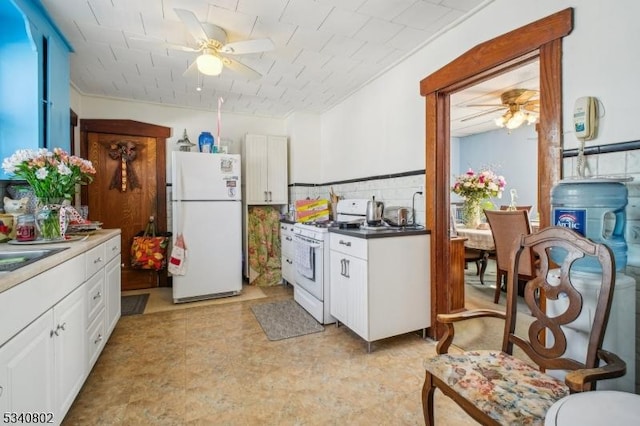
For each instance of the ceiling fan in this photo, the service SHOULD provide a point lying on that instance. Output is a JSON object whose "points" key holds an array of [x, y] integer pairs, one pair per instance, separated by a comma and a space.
{"points": [[211, 41], [520, 108]]}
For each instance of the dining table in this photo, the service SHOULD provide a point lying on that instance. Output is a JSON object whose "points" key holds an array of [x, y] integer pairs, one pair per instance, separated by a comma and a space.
{"points": [[481, 238]]}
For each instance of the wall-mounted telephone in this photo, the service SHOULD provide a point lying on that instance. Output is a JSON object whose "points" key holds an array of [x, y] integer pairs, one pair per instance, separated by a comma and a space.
{"points": [[585, 118]]}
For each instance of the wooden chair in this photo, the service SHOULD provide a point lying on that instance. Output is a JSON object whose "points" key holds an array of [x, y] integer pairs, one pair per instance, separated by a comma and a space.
{"points": [[527, 208], [507, 226], [494, 387]]}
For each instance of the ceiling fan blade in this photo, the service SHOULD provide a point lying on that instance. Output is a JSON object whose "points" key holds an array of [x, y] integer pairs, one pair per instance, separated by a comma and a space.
{"points": [[484, 105], [525, 96], [192, 23], [480, 114], [248, 46], [533, 106], [241, 68], [191, 69]]}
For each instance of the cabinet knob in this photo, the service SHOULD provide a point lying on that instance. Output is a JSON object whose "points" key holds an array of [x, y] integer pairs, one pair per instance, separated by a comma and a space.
{"points": [[345, 243], [97, 296], [98, 339], [98, 260]]}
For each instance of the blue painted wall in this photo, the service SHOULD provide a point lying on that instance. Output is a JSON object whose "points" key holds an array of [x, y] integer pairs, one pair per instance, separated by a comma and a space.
{"points": [[515, 156]]}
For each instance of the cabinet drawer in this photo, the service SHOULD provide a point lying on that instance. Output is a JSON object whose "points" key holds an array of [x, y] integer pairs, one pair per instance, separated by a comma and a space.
{"points": [[356, 247], [95, 339], [112, 248], [95, 296], [288, 271], [287, 245], [95, 259]]}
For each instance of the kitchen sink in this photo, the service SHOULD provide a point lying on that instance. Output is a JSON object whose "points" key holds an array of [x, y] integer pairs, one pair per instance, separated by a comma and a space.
{"points": [[12, 260]]}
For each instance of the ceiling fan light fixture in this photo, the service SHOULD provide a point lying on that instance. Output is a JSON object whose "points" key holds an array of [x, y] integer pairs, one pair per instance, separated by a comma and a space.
{"points": [[513, 120], [209, 64]]}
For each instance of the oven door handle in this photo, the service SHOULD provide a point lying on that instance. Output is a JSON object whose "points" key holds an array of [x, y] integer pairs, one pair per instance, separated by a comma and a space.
{"points": [[307, 242]]}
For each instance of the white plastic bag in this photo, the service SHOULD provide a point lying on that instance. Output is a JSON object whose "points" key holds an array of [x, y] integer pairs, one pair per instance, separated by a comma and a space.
{"points": [[177, 261]]}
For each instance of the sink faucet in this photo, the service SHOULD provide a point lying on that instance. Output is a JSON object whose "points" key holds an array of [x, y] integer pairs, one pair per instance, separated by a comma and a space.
{"points": [[413, 207]]}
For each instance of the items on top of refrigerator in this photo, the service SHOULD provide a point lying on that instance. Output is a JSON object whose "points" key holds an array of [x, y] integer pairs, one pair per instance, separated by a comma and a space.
{"points": [[205, 142]]}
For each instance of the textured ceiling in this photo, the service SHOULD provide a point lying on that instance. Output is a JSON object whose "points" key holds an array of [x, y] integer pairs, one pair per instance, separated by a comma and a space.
{"points": [[324, 49]]}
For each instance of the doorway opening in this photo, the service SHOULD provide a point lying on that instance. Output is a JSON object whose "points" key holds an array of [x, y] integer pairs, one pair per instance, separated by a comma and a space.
{"points": [[541, 39]]}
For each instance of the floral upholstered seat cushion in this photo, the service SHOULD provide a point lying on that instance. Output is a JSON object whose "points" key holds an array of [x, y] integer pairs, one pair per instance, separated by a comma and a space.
{"points": [[506, 388]]}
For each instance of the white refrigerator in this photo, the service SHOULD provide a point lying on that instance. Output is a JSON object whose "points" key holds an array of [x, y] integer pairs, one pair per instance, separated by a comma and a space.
{"points": [[207, 210]]}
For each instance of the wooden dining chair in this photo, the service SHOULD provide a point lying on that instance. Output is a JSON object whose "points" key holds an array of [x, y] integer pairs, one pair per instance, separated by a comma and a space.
{"points": [[527, 208], [506, 226], [496, 388]]}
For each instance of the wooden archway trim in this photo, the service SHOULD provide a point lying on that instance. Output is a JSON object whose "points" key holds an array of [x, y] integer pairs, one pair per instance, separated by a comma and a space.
{"points": [[541, 39]]}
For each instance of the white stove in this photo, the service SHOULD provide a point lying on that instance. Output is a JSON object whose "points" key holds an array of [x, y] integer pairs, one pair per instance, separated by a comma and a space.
{"points": [[311, 261], [311, 248]]}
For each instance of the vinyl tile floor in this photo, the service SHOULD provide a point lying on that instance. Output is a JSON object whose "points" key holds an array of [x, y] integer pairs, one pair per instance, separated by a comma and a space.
{"points": [[213, 365]]}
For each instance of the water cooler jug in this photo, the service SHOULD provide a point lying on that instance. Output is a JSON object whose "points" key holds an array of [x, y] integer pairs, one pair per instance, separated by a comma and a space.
{"points": [[595, 208]]}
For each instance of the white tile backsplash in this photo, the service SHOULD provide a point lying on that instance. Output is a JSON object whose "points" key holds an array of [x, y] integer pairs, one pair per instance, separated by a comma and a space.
{"points": [[396, 191]]}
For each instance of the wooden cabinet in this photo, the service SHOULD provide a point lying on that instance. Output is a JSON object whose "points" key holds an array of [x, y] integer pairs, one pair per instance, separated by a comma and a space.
{"points": [[35, 112], [380, 286], [287, 252], [265, 169], [456, 288]]}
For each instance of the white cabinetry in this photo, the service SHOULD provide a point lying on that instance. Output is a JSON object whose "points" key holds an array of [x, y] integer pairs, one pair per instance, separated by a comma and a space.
{"points": [[69, 319], [103, 296], [58, 324], [380, 286], [43, 367], [265, 169], [287, 252], [25, 360]]}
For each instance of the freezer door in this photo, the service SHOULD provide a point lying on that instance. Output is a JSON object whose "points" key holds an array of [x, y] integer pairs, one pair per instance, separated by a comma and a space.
{"points": [[202, 176], [213, 237]]}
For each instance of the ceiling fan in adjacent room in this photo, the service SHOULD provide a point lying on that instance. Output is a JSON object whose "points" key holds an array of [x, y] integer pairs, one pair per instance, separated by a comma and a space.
{"points": [[211, 42], [520, 106]]}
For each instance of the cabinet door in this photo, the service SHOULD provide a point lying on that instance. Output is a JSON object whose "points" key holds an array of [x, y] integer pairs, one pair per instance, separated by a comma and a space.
{"points": [[356, 288], [70, 337], [277, 176], [112, 285], [339, 285], [26, 369], [255, 169], [58, 96]]}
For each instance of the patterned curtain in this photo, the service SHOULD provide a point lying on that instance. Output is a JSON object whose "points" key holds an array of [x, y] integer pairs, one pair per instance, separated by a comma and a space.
{"points": [[264, 246]]}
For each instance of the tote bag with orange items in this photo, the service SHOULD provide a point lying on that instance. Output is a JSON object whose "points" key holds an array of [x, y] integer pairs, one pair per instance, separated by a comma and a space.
{"points": [[149, 248]]}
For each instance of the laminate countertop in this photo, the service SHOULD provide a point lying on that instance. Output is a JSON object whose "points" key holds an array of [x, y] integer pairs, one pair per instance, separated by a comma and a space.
{"points": [[73, 249], [384, 233]]}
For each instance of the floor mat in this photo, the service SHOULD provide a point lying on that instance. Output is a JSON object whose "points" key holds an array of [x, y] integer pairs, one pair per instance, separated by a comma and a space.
{"points": [[134, 304], [285, 319]]}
